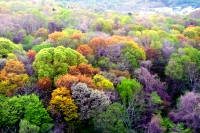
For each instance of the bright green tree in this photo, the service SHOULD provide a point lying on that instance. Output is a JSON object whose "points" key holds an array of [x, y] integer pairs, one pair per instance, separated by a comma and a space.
{"points": [[27, 107], [129, 89], [53, 62], [7, 46], [185, 66]]}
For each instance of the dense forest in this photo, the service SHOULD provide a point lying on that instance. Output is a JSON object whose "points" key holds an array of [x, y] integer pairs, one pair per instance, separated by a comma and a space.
{"points": [[70, 66]]}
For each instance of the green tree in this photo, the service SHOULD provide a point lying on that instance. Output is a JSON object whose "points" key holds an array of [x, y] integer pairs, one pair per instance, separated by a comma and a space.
{"points": [[7, 47], [110, 120], [26, 127], [129, 89], [53, 62], [27, 107], [185, 65]]}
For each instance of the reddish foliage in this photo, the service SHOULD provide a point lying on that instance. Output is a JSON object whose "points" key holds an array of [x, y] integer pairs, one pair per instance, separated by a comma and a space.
{"points": [[151, 53], [97, 42], [31, 55], [45, 83], [83, 69]]}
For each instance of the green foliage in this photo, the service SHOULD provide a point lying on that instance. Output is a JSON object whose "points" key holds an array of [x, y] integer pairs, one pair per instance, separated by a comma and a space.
{"points": [[27, 107], [128, 89], [102, 83], [37, 48], [26, 127], [126, 20], [102, 25], [190, 33], [156, 98], [110, 120], [27, 42], [7, 47], [53, 62], [182, 64], [169, 126]]}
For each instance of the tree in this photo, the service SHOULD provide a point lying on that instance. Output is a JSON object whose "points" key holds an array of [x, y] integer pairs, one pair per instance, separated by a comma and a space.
{"points": [[84, 50], [102, 83], [37, 48], [53, 62], [31, 55], [45, 83], [66, 81], [62, 104], [151, 53], [188, 111], [102, 25], [12, 76], [27, 107], [131, 55], [184, 66], [83, 69], [41, 32], [111, 119], [97, 43], [90, 102], [26, 127], [7, 47], [128, 89], [151, 83]]}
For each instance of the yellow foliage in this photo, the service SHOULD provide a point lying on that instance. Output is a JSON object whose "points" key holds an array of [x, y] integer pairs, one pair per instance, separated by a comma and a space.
{"points": [[12, 76], [103, 83], [62, 102]]}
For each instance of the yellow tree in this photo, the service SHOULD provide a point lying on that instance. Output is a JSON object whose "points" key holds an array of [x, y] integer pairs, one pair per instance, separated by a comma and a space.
{"points": [[12, 76], [62, 104]]}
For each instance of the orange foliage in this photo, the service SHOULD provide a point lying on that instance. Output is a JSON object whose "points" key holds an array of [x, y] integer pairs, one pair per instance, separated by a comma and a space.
{"points": [[84, 50], [12, 76], [175, 27], [13, 66], [31, 54], [83, 69], [181, 37], [119, 73], [97, 42], [88, 80], [55, 35], [151, 53], [66, 81], [77, 36], [45, 83]]}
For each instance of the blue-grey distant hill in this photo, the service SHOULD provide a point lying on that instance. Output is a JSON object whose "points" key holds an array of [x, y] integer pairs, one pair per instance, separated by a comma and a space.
{"points": [[182, 3]]}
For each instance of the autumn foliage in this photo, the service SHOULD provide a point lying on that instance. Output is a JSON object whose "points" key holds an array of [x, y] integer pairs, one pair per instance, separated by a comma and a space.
{"points": [[31, 55], [45, 83], [84, 50], [83, 69], [151, 53], [66, 81], [62, 104], [12, 76]]}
